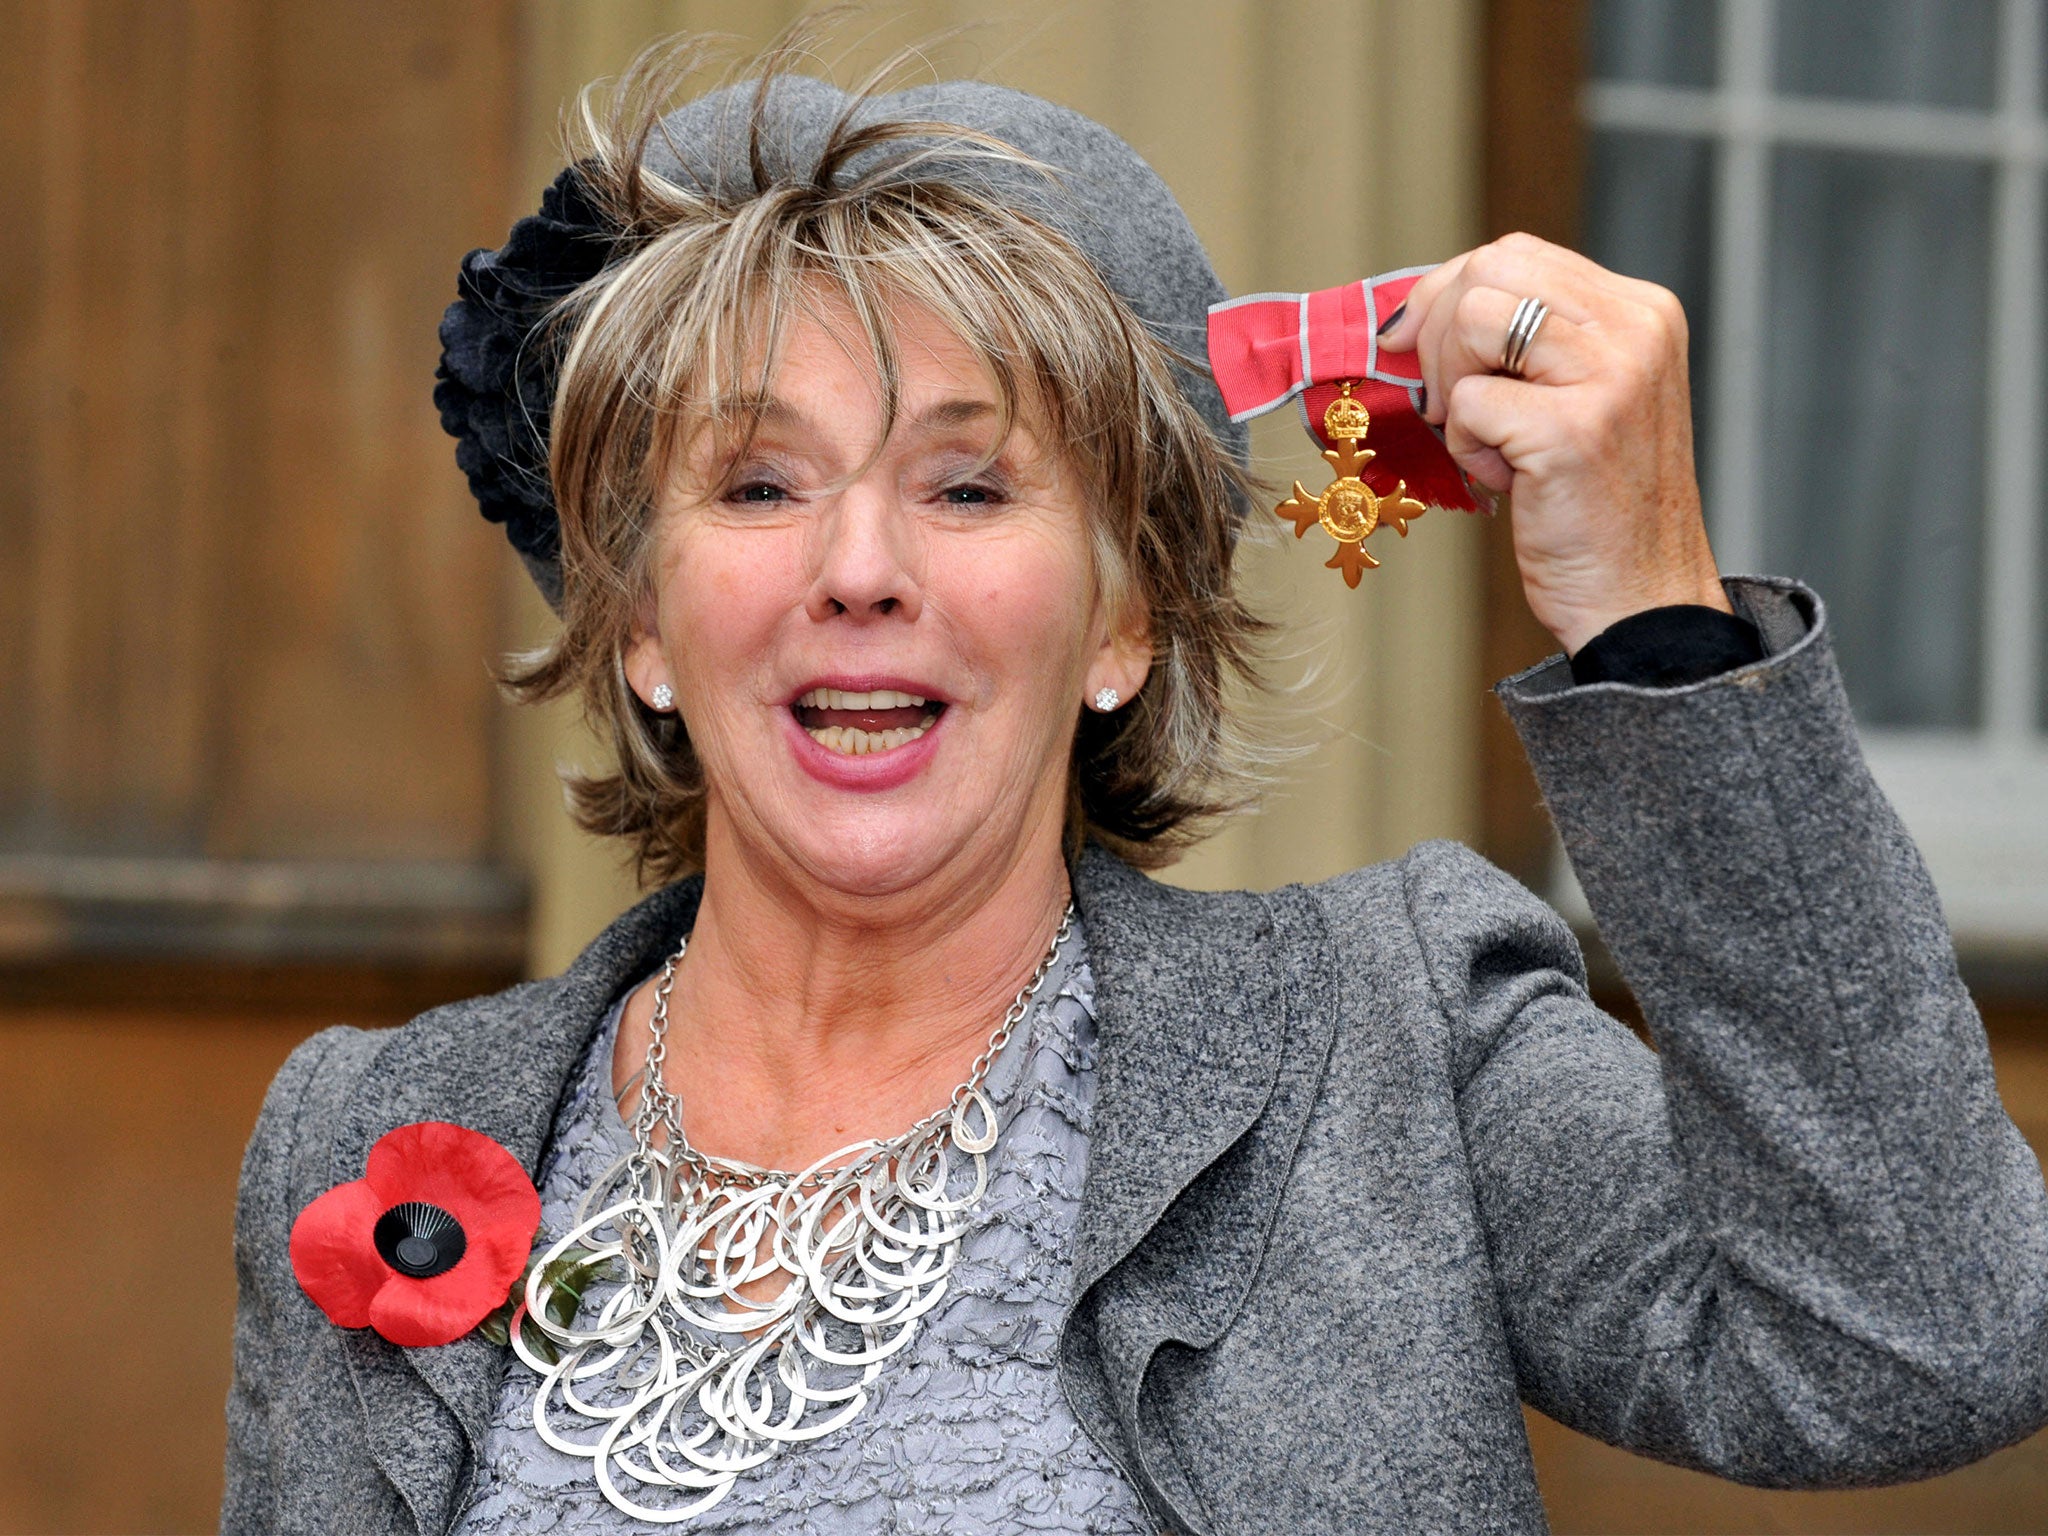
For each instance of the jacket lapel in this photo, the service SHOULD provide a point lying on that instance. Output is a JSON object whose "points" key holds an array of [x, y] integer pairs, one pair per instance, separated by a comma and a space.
{"points": [[497, 1065], [1213, 1039]]}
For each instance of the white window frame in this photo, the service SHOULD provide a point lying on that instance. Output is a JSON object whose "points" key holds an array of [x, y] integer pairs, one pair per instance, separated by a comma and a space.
{"points": [[1977, 801]]}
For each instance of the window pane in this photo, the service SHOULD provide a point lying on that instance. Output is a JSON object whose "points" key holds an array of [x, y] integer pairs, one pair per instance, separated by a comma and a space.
{"points": [[1664, 42], [1931, 52], [1649, 197], [1874, 436]]}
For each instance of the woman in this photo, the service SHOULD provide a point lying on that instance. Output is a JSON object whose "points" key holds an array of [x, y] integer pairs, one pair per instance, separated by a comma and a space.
{"points": [[891, 536]]}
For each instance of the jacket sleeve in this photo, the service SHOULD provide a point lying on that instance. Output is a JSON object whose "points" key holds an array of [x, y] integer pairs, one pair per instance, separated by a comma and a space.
{"points": [[1801, 1244], [274, 1169]]}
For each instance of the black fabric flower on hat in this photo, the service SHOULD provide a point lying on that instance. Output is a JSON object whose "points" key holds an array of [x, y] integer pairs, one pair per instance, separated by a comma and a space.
{"points": [[495, 386]]}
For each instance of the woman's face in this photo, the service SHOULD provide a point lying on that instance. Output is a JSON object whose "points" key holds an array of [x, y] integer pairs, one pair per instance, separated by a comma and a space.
{"points": [[881, 674]]}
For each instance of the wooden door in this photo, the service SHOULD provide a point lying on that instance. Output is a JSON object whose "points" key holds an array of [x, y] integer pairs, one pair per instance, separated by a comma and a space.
{"points": [[246, 609]]}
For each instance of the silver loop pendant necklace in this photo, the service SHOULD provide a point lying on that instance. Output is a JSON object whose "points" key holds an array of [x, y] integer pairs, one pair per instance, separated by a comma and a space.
{"points": [[681, 1382]]}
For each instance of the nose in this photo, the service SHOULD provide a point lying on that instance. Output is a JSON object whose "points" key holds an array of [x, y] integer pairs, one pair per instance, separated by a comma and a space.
{"points": [[865, 557]]}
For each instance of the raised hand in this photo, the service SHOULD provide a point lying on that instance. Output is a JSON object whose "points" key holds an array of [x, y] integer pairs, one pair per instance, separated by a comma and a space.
{"points": [[1593, 440]]}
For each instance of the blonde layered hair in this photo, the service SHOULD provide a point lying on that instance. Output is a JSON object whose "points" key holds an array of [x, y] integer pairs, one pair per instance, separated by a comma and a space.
{"points": [[679, 336]]}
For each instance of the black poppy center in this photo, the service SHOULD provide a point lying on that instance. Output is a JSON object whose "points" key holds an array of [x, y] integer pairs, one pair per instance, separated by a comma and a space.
{"points": [[419, 1240]]}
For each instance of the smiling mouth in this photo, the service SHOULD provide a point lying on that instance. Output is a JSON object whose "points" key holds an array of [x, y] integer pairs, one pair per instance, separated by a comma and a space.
{"points": [[861, 724]]}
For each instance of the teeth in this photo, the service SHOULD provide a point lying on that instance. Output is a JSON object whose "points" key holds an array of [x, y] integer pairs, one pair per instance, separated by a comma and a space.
{"points": [[838, 698], [855, 743]]}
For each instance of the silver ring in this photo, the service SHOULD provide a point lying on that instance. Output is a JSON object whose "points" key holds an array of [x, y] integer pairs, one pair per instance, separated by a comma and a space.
{"points": [[1529, 317]]}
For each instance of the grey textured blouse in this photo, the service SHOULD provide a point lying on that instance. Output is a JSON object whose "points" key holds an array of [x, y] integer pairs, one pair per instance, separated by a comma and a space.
{"points": [[967, 1430]]}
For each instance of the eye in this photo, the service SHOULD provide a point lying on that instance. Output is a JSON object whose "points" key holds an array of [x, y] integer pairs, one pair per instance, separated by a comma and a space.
{"points": [[970, 496], [757, 493]]}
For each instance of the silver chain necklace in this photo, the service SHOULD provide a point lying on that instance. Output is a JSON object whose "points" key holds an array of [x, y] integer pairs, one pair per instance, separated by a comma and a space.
{"points": [[681, 1382]]}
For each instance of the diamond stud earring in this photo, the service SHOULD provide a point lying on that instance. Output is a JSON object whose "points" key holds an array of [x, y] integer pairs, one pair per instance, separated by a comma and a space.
{"points": [[664, 696], [1107, 699]]}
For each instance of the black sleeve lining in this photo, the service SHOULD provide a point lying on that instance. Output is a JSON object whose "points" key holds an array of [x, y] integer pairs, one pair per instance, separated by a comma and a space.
{"points": [[1668, 648]]}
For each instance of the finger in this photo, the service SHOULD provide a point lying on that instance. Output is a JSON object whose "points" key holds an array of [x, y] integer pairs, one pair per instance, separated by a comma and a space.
{"points": [[1477, 336], [1400, 337], [1519, 264], [1451, 343], [1468, 335], [1485, 465], [1429, 338], [1575, 286], [1492, 426], [1577, 291]]}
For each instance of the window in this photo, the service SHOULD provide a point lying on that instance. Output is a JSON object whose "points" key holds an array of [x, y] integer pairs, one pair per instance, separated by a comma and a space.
{"points": [[1848, 197]]}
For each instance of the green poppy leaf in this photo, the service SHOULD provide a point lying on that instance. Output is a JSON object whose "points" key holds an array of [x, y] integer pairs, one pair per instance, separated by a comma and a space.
{"points": [[567, 1278], [539, 1342]]}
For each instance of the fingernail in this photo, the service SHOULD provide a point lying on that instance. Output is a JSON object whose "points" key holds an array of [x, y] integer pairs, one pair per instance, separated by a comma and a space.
{"points": [[1394, 319]]}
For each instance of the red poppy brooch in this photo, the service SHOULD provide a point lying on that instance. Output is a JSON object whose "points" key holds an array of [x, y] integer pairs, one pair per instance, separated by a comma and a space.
{"points": [[427, 1243]]}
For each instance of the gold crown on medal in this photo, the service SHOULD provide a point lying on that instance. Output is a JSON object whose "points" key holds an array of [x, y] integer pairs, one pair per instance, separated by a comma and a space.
{"points": [[1346, 419]]}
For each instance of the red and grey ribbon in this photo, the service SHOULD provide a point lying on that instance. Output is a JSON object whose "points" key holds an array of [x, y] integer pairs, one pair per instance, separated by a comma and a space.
{"points": [[1268, 348]]}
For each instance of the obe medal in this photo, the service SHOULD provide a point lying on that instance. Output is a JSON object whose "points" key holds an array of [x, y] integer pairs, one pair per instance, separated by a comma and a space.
{"points": [[1349, 510]]}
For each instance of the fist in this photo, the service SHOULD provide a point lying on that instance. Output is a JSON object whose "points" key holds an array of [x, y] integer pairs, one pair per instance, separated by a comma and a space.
{"points": [[1593, 444]]}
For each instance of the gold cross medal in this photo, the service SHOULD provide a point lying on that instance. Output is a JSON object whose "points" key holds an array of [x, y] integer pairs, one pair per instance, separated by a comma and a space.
{"points": [[1348, 508]]}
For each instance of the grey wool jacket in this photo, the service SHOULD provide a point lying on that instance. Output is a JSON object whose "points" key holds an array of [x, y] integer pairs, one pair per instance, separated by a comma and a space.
{"points": [[1368, 1167]]}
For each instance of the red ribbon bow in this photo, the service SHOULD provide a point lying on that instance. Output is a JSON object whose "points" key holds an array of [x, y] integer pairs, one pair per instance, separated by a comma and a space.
{"points": [[1268, 348]]}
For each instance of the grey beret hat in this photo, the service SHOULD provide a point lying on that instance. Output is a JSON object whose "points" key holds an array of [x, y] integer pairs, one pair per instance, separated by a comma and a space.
{"points": [[1102, 196]]}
